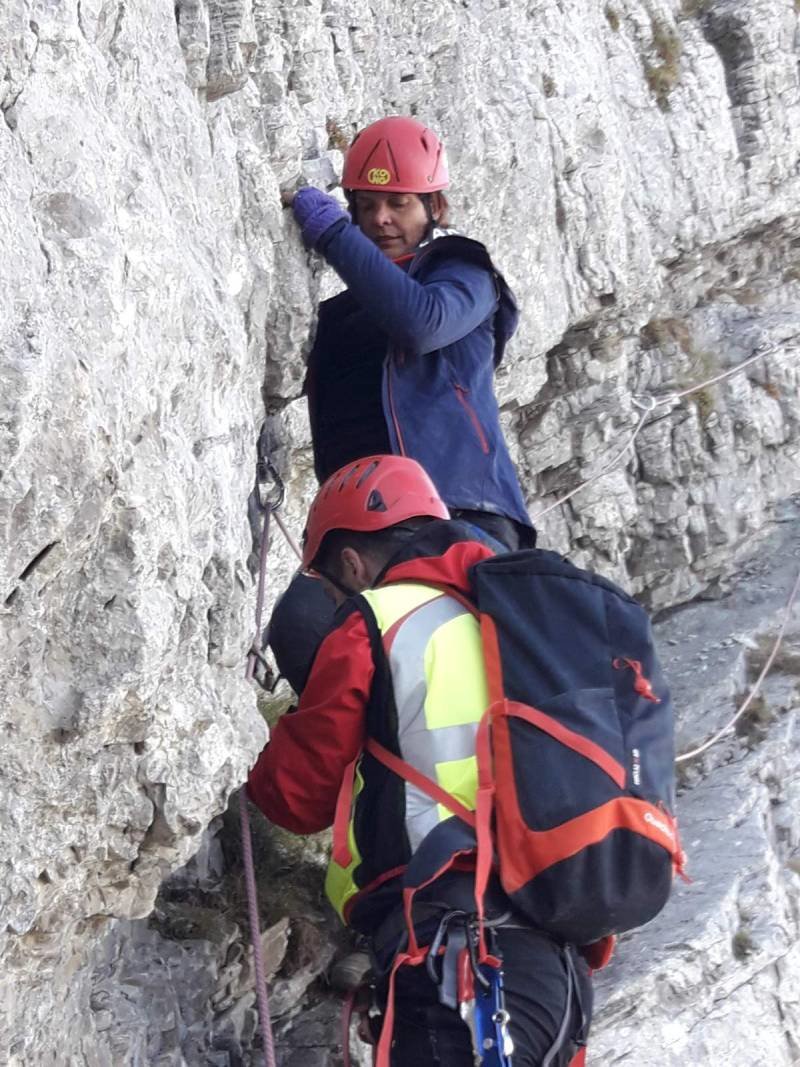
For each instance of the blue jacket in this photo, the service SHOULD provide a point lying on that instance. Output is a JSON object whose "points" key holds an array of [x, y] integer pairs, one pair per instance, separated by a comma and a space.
{"points": [[447, 320]]}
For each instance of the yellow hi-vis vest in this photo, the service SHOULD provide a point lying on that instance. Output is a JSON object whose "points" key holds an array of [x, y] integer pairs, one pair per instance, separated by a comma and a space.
{"points": [[433, 647]]}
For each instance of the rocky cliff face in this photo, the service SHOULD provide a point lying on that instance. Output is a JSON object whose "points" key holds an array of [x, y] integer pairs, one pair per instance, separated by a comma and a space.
{"points": [[633, 166]]}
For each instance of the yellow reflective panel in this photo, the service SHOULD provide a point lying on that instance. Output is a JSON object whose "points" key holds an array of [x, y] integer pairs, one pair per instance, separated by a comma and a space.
{"points": [[456, 677], [460, 778], [392, 602]]}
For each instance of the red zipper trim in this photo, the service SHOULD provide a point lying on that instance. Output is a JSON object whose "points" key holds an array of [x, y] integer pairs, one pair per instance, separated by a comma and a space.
{"points": [[641, 684], [461, 393], [400, 442], [545, 848]]}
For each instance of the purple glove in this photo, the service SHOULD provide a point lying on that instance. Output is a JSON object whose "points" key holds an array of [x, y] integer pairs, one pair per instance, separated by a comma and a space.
{"points": [[315, 212]]}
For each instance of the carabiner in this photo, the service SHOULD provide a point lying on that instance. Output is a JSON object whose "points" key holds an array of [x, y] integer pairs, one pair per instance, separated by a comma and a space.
{"points": [[266, 471], [494, 1042]]}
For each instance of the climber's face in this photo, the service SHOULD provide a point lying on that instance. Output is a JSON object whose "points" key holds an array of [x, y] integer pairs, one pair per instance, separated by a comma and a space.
{"points": [[396, 222]]}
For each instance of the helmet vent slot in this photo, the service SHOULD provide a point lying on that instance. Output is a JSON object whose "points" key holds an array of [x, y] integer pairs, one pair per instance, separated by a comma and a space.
{"points": [[369, 470]]}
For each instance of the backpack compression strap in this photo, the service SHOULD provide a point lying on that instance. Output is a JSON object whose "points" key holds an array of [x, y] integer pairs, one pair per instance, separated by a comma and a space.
{"points": [[427, 785]]}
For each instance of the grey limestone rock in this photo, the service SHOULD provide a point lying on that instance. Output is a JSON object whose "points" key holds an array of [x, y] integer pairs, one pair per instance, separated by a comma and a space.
{"points": [[633, 167], [715, 976]]}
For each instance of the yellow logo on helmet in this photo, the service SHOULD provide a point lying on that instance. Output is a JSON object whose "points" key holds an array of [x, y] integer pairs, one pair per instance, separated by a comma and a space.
{"points": [[378, 176]]}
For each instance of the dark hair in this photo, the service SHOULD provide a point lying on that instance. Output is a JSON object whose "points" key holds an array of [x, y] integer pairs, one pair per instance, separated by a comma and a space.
{"points": [[380, 544], [444, 209]]}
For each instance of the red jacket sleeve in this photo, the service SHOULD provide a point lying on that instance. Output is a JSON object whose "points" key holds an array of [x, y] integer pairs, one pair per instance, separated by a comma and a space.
{"points": [[297, 777]]}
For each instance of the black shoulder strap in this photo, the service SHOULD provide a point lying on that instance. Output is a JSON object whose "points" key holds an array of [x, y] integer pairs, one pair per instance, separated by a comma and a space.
{"points": [[381, 717]]}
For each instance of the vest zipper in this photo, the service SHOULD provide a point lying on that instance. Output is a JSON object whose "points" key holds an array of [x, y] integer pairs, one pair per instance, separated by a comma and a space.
{"points": [[641, 684], [461, 393]]}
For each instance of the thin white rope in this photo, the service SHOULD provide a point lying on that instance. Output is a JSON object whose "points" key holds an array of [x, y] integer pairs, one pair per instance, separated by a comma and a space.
{"points": [[608, 467], [649, 404], [757, 685], [766, 351]]}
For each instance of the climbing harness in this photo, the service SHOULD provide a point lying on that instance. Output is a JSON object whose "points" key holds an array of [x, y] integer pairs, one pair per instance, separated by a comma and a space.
{"points": [[469, 981], [474, 989]]}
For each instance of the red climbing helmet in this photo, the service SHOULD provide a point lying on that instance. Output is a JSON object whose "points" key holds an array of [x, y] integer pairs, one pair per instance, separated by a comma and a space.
{"points": [[396, 155], [371, 494]]}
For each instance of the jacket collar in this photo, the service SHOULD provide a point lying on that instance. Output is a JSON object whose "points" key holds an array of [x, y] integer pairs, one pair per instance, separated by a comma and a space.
{"points": [[441, 552], [453, 243]]}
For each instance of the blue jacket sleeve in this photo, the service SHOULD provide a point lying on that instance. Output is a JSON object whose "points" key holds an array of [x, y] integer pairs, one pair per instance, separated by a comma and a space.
{"points": [[455, 298]]}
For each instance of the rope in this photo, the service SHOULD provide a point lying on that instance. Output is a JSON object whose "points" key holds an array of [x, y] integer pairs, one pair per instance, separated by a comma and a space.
{"points": [[268, 507], [650, 403], [761, 351], [758, 682], [254, 655], [287, 534], [262, 996], [653, 404]]}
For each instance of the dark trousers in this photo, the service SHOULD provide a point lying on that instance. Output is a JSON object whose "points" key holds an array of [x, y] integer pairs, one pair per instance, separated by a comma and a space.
{"points": [[549, 1001]]}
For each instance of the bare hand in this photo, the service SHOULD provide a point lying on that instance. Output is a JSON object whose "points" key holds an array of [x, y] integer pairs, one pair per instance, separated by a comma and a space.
{"points": [[287, 196]]}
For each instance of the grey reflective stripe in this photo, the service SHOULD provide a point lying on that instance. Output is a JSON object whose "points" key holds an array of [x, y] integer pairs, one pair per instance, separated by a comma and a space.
{"points": [[420, 745]]}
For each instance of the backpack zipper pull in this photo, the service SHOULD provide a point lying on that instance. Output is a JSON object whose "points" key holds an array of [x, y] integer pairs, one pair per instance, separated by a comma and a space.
{"points": [[680, 859], [641, 684]]}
